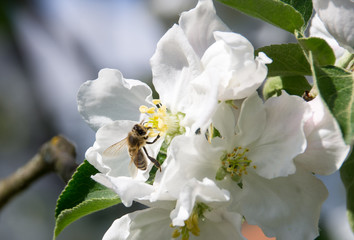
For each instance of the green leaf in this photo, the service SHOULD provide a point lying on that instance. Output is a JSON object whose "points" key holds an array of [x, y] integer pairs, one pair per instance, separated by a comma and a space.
{"points": [[347, 176], [322, 53], [274, 12], [336, 87], [302, 6], [81, 197], [288, 60], [293, 85]]}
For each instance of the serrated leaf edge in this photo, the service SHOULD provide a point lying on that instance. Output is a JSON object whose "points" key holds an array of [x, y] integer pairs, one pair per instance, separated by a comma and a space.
{"points": [[85, 202]]}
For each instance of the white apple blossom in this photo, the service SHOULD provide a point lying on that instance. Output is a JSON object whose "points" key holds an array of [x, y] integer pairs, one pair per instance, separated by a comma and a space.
{"points": [[196, 64], [201, 51], [154, 223], [253, 160], [110, 105], [206, 217], [338, 18], [326, 149]]}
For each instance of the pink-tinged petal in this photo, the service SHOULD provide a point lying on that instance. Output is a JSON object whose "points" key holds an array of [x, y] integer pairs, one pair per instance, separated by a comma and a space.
{"points": [[196, 191], [174, 65], [199, 24], [127, 188], [111, 97], [287, 208], [326, 149], [283, 137]]}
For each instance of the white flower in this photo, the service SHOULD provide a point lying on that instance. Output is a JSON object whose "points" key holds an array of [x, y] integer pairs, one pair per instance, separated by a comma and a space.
{"points": [[202, 51], [253, 160], [326, 149], [190, 80], [317, 29], [110, 105], [338, 18], [154, 223], [200, 221]]}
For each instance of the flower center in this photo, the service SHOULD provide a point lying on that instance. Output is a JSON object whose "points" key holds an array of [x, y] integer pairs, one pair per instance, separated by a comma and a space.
{"points": [[162, 121], [235, 164], [191, 225]]}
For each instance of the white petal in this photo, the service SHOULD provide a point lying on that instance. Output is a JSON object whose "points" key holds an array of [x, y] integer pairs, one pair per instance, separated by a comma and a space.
{"points": [[152, 223], [232, 55], [174, 65], [128, 189], [224, 120], [287, 208], [111, 97], [188, 157], [196, 191], [318, 29], [203, 101], [252, 120], [338, 17], [106, 136], [283, 137], [326, 149], [118, 164], [119, 230], [199, 24], [226, 227]]}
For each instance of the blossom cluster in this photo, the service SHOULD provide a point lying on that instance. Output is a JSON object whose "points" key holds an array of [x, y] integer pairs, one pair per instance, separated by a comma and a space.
{"points": [[219, 154]]}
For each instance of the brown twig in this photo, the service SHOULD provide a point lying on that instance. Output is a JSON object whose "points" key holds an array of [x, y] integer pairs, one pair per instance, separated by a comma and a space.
{"points": [[57, 155]]}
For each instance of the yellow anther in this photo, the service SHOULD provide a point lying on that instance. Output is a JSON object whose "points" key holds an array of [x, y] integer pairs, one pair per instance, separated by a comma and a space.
{"points": [[150, 110], [236, 162], [156, 101], [143, 109]]}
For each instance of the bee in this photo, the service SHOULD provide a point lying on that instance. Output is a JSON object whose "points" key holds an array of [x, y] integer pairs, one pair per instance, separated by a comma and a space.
{"points": [[136, 141]]}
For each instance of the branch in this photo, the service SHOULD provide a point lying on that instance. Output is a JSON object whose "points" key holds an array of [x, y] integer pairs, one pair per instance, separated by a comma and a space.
{"points": [[57, 155]]}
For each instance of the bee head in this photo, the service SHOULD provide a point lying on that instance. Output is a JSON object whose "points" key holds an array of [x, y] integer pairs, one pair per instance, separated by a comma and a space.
{"points": [[139, 129]]}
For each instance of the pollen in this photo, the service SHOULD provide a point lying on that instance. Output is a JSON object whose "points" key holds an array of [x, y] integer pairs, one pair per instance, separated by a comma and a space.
{"points": [[191, 225], [235, 163], [161, 121]]}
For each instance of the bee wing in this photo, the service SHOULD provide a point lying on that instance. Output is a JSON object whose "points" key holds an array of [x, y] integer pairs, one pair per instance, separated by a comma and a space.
{"points": [[115, 149]]}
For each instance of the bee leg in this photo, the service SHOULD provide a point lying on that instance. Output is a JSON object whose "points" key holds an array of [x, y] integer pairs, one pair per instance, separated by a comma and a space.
{"points": [[153, 160], [157, 137]]}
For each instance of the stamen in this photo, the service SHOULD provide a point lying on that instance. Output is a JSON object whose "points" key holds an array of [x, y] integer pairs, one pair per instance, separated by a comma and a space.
{"points": [[156, 101], [161, 121], [191, 225], [235, 164]]}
